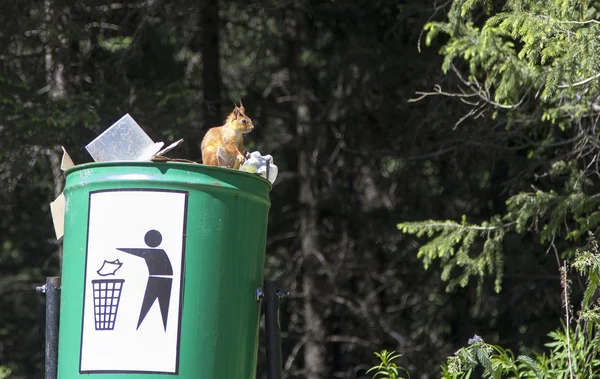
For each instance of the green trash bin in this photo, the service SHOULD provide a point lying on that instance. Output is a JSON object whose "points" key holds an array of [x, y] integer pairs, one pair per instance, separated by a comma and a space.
{"points": [[161, 263]]}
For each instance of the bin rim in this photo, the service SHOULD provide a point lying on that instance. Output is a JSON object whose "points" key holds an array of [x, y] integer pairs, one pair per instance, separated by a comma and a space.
{"points": [[180, 165]]}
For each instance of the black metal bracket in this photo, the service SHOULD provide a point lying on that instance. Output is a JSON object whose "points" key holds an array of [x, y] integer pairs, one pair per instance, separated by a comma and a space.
{"points": [[272, 327], [52, 291]]}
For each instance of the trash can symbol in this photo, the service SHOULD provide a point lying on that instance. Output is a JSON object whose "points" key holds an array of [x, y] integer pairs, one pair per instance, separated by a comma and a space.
{"points": [[107, 293]]}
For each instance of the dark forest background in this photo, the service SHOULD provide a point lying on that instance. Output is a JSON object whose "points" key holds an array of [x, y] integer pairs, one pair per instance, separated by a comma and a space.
{"points": [[327, 84]]}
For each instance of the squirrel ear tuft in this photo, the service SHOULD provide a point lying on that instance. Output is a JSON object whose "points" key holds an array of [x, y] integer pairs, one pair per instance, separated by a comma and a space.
{"points": [[236, 112], [241, 107]]}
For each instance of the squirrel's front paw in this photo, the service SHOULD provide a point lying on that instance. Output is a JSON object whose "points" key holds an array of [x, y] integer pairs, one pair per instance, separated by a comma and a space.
{"points": [[241, 158]]}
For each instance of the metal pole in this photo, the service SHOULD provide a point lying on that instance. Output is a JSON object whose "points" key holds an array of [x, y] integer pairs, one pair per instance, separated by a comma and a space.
{"points": [[272, 330], [51, 289]]}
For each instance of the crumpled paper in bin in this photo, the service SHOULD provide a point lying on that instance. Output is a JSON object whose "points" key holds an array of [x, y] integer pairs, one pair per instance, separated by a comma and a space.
{"points": [[261, 165]]}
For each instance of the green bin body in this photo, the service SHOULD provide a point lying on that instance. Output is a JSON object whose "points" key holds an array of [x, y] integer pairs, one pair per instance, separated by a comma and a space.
{"points": [[161, 263]]}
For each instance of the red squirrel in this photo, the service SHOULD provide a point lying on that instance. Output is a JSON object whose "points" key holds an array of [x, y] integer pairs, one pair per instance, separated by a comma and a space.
{"points": [[223, 144]]}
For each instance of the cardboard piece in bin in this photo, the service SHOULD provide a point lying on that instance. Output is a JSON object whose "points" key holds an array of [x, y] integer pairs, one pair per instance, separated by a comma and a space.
{"points": [[160, 156], [125, 141], [57, 207]]}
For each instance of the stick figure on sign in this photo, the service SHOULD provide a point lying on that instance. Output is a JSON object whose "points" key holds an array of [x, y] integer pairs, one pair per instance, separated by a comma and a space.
{"points": [[160, 274]]}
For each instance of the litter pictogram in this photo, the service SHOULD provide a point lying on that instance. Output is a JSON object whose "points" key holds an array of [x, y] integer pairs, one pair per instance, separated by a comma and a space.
{"points": [[109, 267], [107, 294]]}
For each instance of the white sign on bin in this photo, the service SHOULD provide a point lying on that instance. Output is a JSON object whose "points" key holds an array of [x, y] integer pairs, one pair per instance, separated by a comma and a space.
{"points": [[133, 281]]}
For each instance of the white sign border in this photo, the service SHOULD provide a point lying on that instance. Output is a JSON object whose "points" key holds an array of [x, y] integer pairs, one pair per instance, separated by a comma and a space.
{"points": [[181, 286]]}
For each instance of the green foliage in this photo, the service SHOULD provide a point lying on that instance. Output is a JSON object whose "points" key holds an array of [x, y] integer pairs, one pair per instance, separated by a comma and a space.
{"points": [[533, 64], [495, 361], [467, 250], [548, 49], [451, 243], [574, 349], [115, 44], [387, 369], [4, 372]]}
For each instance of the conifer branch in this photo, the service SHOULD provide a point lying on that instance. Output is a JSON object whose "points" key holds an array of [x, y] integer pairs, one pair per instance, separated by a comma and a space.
{"points": [[470, 227], [485, 96], [579, 22], [437, 90], [571, 22], [580, 83]]}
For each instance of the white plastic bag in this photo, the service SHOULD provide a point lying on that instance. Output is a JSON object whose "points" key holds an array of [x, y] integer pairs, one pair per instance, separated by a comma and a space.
{"points": [[261, 165]]}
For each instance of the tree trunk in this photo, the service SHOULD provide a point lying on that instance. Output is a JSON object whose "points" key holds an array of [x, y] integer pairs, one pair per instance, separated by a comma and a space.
{"points": [[314, 348], [55, 83], [313, 352], [211, 73], [55, 80]]}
